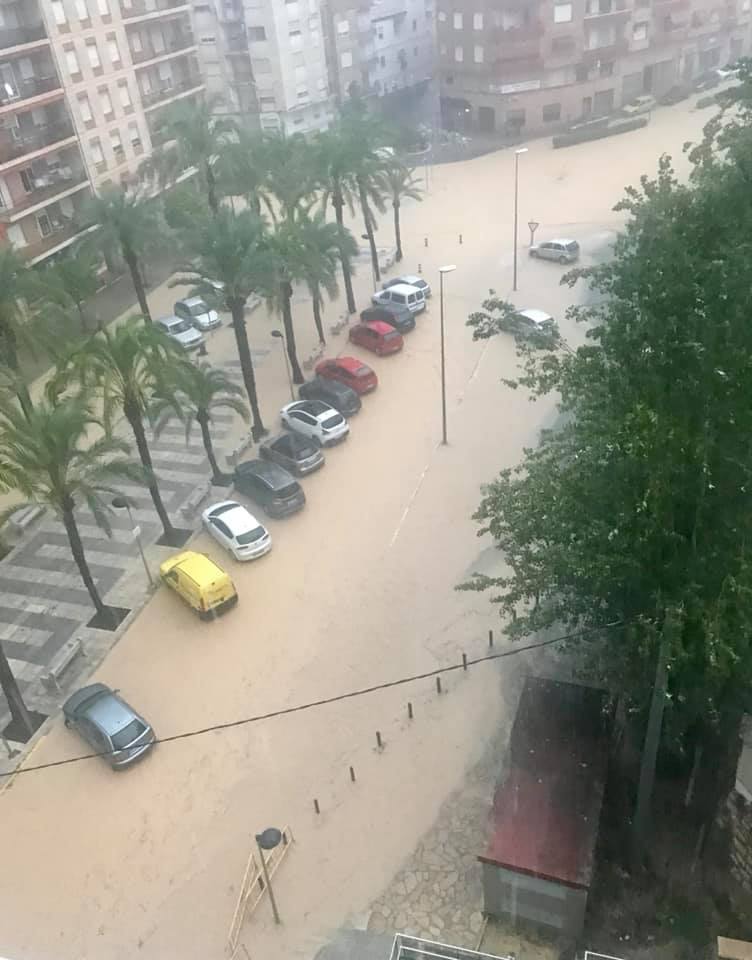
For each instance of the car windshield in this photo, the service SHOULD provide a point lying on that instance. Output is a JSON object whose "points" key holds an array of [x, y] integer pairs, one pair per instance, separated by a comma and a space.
{"points": [[128, 734], [181, 327], [285, 493], [303, 451], [362, 372], [251, 536], [332, 422], [197, 308], [390, 336], [572, 246]]}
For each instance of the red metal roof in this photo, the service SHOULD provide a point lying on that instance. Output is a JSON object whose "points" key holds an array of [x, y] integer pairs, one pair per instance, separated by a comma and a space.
{"points": [[546, 812]]}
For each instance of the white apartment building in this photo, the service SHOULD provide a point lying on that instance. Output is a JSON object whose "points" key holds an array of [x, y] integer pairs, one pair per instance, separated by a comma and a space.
{"points": [[82, 84]]}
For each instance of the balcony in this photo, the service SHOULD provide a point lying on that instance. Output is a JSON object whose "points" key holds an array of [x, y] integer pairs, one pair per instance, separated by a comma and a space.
{"points": [[605, 11], [64, 231], [51, 135], [20, 90], [617, 48], [20, 36], [183, 88], [139, 10], [172, 46], [47, 189]]}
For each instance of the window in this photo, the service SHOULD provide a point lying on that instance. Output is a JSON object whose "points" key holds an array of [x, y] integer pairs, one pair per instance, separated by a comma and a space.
{"points": [[134, 135], [477, 21], [96, 152], [267, 103], [607, 68], [551, 112], [106, 102], [296, 40], [346, 59], [343, 27], [44, 225], [458, 21], [82, 11], [58, 12], [255, 34], [640, 31], [459, 54], [93, 54], [85, 108], [602, 36], [478, 53], [113, 51], [104, 8], [71, 61], [117, 144], [581, 73], [562, 12], [125, 96]]}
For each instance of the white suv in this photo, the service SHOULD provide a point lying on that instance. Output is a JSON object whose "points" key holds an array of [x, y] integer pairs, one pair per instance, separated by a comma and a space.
{"points": [[403, 295]]}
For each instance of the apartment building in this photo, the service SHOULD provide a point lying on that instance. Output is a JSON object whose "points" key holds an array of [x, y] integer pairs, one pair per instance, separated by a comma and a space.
{"points": [[82, 84], [513, 67]]}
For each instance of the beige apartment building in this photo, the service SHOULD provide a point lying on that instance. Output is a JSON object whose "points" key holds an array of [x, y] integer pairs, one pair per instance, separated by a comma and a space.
{"points": [[513, 67], [82, 84]]}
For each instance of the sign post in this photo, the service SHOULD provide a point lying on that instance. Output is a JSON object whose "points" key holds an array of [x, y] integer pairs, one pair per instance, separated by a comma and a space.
{"points": [[532, 226]]}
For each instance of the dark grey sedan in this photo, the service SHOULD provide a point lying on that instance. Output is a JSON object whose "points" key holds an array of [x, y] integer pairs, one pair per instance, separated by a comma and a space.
{"points": [[293, 452], [108, 724], [271, 486], [336, 394]]}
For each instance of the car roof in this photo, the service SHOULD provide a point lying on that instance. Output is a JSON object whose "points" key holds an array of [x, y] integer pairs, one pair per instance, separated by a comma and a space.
{"points": [[190, 301], [564, 241], [405, 288], [237, 518], [347, 363], [77, 700], [413, 281], [109, 713], [537, 316], [169, 321], [293, 439], [326, 385], [380, 326], [272, 473], [197, 565]]}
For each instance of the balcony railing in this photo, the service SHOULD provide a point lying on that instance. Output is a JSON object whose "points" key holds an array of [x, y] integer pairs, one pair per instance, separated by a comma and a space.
{"points": [[138, 8], [45, 188], [171, 46], [156, 96], [13, 37], [43, 137], [13, 92], [63, 228]]}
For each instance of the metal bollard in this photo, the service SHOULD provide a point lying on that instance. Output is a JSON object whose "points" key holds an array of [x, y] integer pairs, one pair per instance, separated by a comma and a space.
{"points": [[409, 711], [490, 638], [460, 239], [379, 741], [438, 684], [425, 241], [464, 661], [352, 774], [316, 807]]}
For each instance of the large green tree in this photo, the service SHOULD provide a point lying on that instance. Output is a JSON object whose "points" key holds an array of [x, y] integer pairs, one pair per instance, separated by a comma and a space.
{"points": [[322, 244], [634, 509], [335, 160], [400, 183]]}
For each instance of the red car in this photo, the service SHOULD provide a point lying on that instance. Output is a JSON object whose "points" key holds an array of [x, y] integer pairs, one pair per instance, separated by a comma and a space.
{"points": [[354, 374], [378, 336]]}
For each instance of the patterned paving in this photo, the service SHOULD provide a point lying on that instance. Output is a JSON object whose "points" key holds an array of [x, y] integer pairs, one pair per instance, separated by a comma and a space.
{"points": [[43, 601]]}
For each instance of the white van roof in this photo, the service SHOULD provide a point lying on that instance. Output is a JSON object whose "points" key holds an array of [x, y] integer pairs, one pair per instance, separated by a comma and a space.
{"points": [[406, 289]]}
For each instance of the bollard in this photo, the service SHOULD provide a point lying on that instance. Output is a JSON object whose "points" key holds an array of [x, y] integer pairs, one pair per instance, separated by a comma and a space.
{"points": [[316, 807], [464, 661], [379, 741], [420, 268], [438, 684], [490, 638], [409, 711], [425, 241], [352, 774], [460, 239]]}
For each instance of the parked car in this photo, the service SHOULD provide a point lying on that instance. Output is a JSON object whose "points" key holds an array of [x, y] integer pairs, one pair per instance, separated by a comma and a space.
{"points": [[639, 105], [196, 311], [275, 490], [353, 373], [564, 251], [108, 724], [202, 583], [182, 332], [400, 318], [237, 530], [534, 319], [412, 281], [315, 420], [403, 295], [294, 452], [336, 394], [377, 336]]}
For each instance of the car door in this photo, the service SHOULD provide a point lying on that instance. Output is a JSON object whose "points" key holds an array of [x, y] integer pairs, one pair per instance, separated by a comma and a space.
{"points": [[221, 532], [303, 422]]}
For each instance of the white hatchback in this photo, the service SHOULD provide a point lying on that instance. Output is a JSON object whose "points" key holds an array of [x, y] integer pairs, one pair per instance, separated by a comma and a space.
{"points": [[315, 419], [237, 530]]}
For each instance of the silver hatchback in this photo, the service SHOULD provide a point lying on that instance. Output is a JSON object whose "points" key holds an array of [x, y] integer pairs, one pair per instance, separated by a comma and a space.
{"points": [[563, 251], [108, 724]]}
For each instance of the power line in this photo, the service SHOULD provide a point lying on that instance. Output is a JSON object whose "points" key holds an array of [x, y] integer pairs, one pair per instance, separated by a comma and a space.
{"points": [[326, 701]]}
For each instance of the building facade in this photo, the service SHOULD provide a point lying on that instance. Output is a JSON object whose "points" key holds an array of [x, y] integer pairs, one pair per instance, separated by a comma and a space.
{"points": [[512, 67], [82, 86]]}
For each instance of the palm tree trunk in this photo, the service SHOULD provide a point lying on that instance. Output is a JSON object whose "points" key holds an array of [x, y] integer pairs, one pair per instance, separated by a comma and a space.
{"points": [[397, 234], [16, 705], [203, 422], [317, 312], [77, 549], [297, 373], [369, 229], [338, 203], [237, 310], [10, 345], [133, 416], [131, 261], [211, 190]]}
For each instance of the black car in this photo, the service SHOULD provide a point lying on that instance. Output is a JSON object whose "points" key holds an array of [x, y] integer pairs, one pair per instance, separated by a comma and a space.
{"points": [[401, 318], [295, 453], [275, 490], [338, 395]]}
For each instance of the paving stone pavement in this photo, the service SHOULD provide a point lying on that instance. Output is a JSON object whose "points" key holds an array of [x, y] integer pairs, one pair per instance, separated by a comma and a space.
{"points": [[43, 602]]}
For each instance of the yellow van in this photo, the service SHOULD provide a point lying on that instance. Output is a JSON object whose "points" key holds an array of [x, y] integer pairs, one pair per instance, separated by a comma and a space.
{"points": [[200, 582]]}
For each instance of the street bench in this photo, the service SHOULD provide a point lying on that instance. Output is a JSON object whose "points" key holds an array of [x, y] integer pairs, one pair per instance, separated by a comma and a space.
{"points": [[195, 500], [60, 663], [23, 518]]}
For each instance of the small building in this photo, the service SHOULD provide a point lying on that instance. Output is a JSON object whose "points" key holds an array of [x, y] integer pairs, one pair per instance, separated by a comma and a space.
{"points": [[538, 864]]}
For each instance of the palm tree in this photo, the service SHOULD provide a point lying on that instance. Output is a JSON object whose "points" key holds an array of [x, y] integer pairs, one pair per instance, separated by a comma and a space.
{"points": [[288, 262], [401, 184], [73, 279], [241, 167], [17, 319], [192, 135], [48, 457], [322, 245], [125, 363], [193, 392], [227, 250], [128, 222], [334, 162], [290, 175]]}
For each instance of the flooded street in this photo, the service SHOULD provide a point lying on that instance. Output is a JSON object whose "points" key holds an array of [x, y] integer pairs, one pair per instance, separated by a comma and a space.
{"points": [[358, 590]]}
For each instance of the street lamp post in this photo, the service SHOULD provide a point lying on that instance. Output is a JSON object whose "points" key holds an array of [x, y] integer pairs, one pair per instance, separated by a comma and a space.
{"points": [[268, 840], [517, 154], [442, 271], [120, 503], [278, 335]]}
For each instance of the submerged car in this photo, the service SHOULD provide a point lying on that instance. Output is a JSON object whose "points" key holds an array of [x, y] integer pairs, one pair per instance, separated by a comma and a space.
{"points": [[108, 724], [411, 281], [275, 490], [316, 420], [353, 373], [197, 312], [401, 294], [237, 530], [563, 251], [336, 394], [379, 337], [294, 452], [400, 318], [182, 332]]}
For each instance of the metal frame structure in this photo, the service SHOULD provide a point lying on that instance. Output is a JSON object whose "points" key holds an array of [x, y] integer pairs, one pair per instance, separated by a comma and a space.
{"points": [[414, 948]]}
